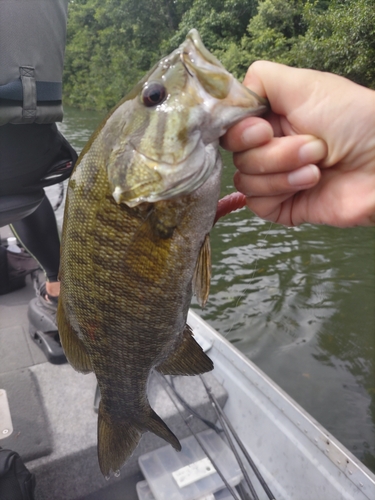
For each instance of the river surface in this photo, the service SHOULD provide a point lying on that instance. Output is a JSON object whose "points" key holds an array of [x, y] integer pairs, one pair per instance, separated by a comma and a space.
{"points": [[299, 302]]}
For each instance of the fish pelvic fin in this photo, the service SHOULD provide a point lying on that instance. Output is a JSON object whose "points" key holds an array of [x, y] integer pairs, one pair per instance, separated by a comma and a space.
{"points": [[202, 273], [73, 347], [187, 359], [118, 440]]}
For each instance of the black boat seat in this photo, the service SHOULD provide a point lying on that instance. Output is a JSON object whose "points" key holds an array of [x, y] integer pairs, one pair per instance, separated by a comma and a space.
{"points": [[13, 208]]}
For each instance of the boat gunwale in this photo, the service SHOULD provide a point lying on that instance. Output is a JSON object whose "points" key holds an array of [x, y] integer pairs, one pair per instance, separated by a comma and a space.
{"points": [[361, 477]]}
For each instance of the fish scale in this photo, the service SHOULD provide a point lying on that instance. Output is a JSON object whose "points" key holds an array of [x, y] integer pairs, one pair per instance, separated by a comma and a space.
{"points": [[135, 244]]}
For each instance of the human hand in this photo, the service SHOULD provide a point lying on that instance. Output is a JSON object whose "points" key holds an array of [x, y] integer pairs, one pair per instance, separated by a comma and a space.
{"points": [[312, 158]]}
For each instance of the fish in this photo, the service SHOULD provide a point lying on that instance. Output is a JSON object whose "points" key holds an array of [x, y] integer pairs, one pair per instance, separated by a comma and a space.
{"points": [[140, 205]]}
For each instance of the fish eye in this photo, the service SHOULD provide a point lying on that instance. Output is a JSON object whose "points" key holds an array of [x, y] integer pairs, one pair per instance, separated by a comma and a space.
{"points": [[153, 94]]}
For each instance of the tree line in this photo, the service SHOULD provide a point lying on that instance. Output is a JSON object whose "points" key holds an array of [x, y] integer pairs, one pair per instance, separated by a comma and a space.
{"points": [[112, 43]]}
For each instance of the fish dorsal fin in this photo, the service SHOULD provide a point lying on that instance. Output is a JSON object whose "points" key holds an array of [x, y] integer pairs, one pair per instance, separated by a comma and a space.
{"points": [[202, 273], [73, 347], [187, 359]]}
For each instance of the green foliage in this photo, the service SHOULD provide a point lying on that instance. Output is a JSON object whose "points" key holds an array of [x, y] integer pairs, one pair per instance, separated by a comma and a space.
{"points": [[274, 30], [221, 25], [219, 22], [340, 40], [112, 43], [336, 36]]}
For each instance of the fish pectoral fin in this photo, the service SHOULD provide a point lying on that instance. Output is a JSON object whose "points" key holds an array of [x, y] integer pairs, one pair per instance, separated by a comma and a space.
{"points": [[202, 273], [73, 347], [116, 441], [187, 359]]}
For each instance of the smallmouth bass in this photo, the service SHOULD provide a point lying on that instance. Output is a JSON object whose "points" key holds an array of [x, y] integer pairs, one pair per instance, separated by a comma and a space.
{"points": [[135, 245]]}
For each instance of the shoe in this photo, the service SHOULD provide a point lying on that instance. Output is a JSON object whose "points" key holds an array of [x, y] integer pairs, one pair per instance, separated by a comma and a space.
{"points": [[43, 327]]}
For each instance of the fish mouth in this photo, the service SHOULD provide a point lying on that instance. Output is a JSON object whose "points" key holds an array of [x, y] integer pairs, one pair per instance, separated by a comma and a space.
{"points": [[194, 37], [216, 81], [164, 179]]}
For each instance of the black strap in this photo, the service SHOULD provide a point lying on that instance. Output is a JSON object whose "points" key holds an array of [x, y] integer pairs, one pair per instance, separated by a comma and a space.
{"points": [[29, 93], [45, 91]]}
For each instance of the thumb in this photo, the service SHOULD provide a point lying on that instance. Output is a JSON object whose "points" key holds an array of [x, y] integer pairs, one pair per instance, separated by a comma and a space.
{"points": [[286, 88]]}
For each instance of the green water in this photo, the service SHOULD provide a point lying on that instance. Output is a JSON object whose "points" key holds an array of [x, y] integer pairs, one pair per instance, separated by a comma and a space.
{"points": [[299, 302]]}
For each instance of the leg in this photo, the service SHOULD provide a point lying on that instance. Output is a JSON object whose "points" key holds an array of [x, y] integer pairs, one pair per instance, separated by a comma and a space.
{"points": [[39, 235]]}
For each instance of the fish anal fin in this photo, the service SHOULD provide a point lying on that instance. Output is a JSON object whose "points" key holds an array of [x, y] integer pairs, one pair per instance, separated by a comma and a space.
{"points": [[202, 273], [73, 347], [116, 442], [188, 359]]}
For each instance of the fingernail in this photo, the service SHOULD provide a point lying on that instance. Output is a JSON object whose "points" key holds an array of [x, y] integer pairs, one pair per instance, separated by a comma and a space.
{"points": [[303, 176], [256, 134], [313, 151]]}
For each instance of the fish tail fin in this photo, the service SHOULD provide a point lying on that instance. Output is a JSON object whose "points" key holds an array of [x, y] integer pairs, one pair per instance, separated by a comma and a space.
{"points": [[116, 442], [156, 425]]}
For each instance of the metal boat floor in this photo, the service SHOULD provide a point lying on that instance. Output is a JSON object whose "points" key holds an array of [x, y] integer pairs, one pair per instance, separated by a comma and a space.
{"points": [[31, 436], [122, 490]]}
